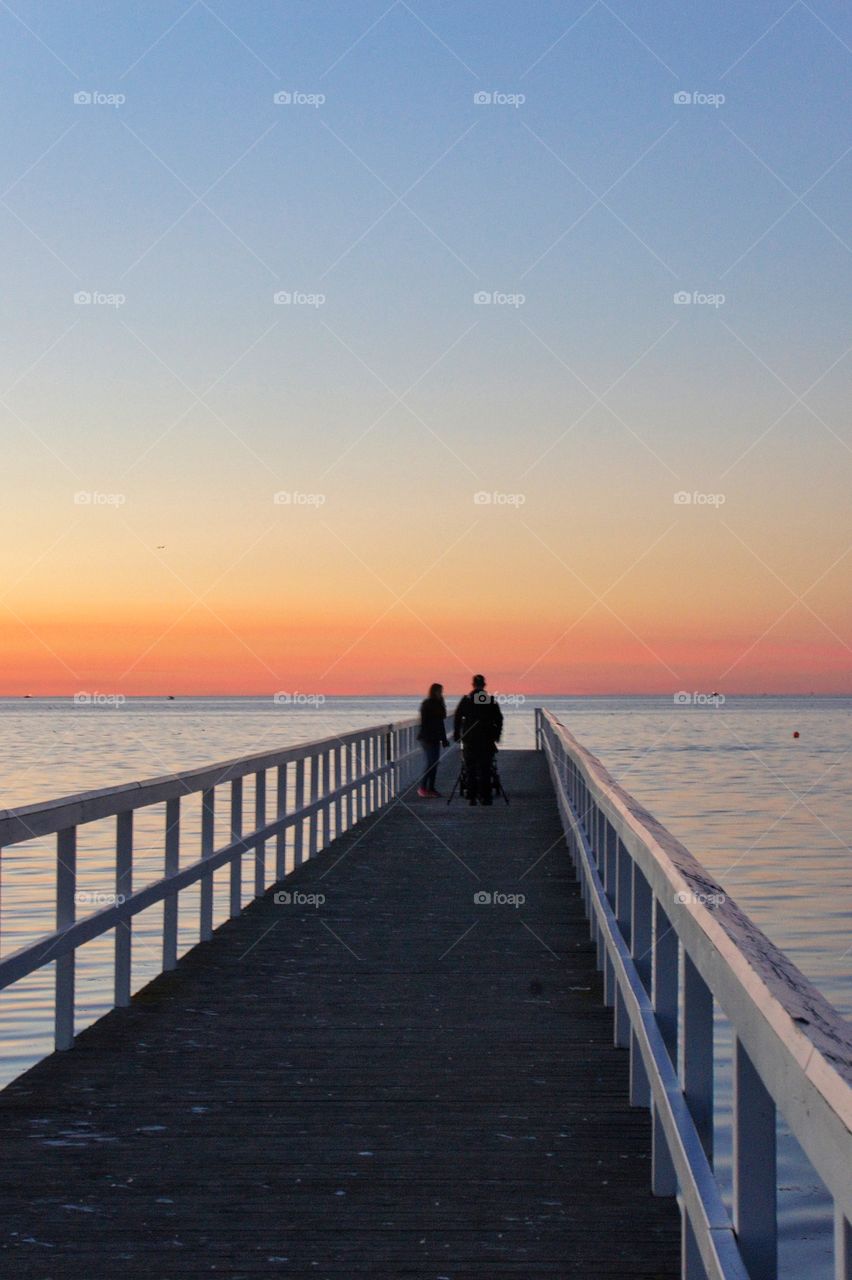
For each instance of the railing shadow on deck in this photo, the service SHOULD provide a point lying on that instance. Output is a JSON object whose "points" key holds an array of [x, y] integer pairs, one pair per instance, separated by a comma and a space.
{"points": [[670, 943]]}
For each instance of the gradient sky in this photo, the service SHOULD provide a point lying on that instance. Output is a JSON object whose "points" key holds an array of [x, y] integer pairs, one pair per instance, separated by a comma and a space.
{"points": [[182, 412]]}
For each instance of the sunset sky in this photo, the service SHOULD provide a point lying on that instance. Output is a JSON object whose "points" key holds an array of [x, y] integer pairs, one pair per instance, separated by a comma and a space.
{"points": [[383, 481]]}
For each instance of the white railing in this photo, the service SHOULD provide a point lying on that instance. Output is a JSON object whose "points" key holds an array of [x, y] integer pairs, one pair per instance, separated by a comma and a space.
{"points": [[670, 943], [321, 789]]}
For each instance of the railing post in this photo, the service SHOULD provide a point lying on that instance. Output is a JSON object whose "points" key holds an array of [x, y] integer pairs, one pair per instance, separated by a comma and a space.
{"points": [[208, 800], [236, 833], [755, 1178], [280, 812], [349, 757], [299, 802], [665, 951], [641, 914], [123, 890], [842, 1245], [260, 821], [697, 1064], [663, 1179], [326, 808], [313, 821], [691, 1263], [170, 902], [338, 783], [66, 913], [389, 787]]}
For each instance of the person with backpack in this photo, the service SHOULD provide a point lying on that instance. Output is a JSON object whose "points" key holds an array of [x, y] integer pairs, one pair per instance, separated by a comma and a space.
{"points": [[477, 725]]}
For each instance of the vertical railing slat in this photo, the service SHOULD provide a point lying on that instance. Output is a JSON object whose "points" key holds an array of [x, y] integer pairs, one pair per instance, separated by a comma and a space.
{"points": [[299, 801], [280, 812], [259, 821], [697, 1062], [755, 1177], [236, 879], [66, 912], [123, 890], [208, 800], [170, 903]]}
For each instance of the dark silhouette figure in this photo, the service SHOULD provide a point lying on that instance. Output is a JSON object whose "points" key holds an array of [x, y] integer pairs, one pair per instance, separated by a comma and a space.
{"points": [[477, 726], [432, 736]]}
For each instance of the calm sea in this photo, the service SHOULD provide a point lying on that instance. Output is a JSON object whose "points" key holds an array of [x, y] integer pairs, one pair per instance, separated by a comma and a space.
{"points": [[767, 813]]}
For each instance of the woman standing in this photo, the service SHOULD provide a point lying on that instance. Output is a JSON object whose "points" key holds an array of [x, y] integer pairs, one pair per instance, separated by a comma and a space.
{"points": [[432, 736]]}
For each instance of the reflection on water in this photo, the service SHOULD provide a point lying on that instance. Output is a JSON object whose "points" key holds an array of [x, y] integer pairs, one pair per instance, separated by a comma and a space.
{"points": [[766, 812]]}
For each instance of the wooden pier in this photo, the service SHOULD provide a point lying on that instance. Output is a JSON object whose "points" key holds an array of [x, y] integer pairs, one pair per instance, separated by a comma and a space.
{"points": [[399, 1081], [448, 1043]]}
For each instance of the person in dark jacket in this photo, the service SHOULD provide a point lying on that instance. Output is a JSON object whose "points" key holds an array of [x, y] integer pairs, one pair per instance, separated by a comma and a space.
{"points": [[477, 726], [432, 736]]}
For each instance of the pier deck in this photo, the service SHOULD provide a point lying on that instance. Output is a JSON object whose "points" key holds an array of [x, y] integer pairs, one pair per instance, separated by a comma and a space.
{"points": [[399, 1081]]}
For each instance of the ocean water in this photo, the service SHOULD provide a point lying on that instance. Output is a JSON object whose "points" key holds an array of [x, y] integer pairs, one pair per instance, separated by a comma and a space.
{"points": [[767, 813]]}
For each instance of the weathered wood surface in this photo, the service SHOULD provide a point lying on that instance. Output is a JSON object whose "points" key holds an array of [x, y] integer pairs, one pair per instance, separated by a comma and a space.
{"points": [[397, 1082]]}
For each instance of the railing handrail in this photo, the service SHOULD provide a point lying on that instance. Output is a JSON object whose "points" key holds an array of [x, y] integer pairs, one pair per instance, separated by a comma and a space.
{"points": [[810, 1025], [785, 1030], [335, 783], [24, 822]]}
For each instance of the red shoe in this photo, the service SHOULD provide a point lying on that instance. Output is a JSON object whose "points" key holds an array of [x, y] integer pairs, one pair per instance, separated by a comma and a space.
{"points": [[423, 793], [435, 795]]}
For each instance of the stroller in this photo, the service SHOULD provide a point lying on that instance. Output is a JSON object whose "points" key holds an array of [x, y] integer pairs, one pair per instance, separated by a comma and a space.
{"points": [[461, 782]]}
